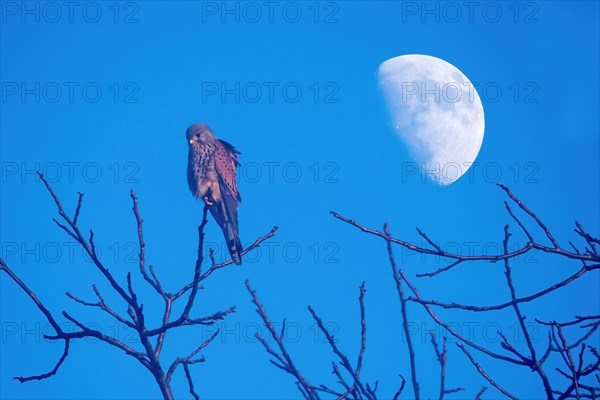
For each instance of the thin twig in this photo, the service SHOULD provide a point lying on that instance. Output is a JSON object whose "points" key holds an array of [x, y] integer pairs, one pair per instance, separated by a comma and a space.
{"points": [[484, 374], [405, 321], [534, 364], [284, 358]]}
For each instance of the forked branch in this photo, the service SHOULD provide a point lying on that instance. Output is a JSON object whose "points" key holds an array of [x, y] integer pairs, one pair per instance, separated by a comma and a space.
{"points": [[136, 319]]}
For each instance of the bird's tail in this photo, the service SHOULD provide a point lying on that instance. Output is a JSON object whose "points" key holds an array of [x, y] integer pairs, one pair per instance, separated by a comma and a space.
{"points": [[233, 242], [226, 216]]}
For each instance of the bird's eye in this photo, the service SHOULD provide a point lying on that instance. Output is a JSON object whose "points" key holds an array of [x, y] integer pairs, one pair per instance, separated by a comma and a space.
{"points": [[197, 135]]}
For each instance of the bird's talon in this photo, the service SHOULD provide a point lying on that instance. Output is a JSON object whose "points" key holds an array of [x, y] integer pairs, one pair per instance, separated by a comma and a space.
{"points": [[208, 201]]}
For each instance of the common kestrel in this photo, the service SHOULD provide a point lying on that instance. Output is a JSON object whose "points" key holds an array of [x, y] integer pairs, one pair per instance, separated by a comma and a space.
{"points": [[211, 177]]}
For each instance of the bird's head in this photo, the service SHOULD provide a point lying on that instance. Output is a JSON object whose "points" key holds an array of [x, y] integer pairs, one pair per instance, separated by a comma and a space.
{"points": [[199, 133]]}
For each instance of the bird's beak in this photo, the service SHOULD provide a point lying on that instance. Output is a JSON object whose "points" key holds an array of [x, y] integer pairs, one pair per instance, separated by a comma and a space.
{"points": [[191, 141]]}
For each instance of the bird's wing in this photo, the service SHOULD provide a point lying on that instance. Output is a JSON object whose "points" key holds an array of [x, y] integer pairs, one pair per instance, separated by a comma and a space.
{"points": [[225, 211], [226, 161], [232, 150]]}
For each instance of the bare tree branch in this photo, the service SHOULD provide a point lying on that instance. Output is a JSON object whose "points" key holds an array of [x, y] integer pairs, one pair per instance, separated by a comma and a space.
{"points": [[50, 373], [357, 389], [437, 251], [188, 376], [531, 214], [405, 321], [480, 393], [149, 356], [534, 363], [442, 357], [590, 260], [484, 374], [529, 298], [285, 361], [400, 389], [102, 305]]}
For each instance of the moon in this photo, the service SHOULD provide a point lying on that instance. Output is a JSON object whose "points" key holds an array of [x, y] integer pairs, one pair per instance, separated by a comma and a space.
{"points": [[437, 113]]}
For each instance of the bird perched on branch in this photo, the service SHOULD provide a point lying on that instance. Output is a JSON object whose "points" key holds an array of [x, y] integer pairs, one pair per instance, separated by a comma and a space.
{"points": [[211, 177]]}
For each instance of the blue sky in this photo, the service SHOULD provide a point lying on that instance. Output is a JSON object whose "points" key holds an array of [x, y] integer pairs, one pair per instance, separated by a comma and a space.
{"points": [[99, 96]]}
